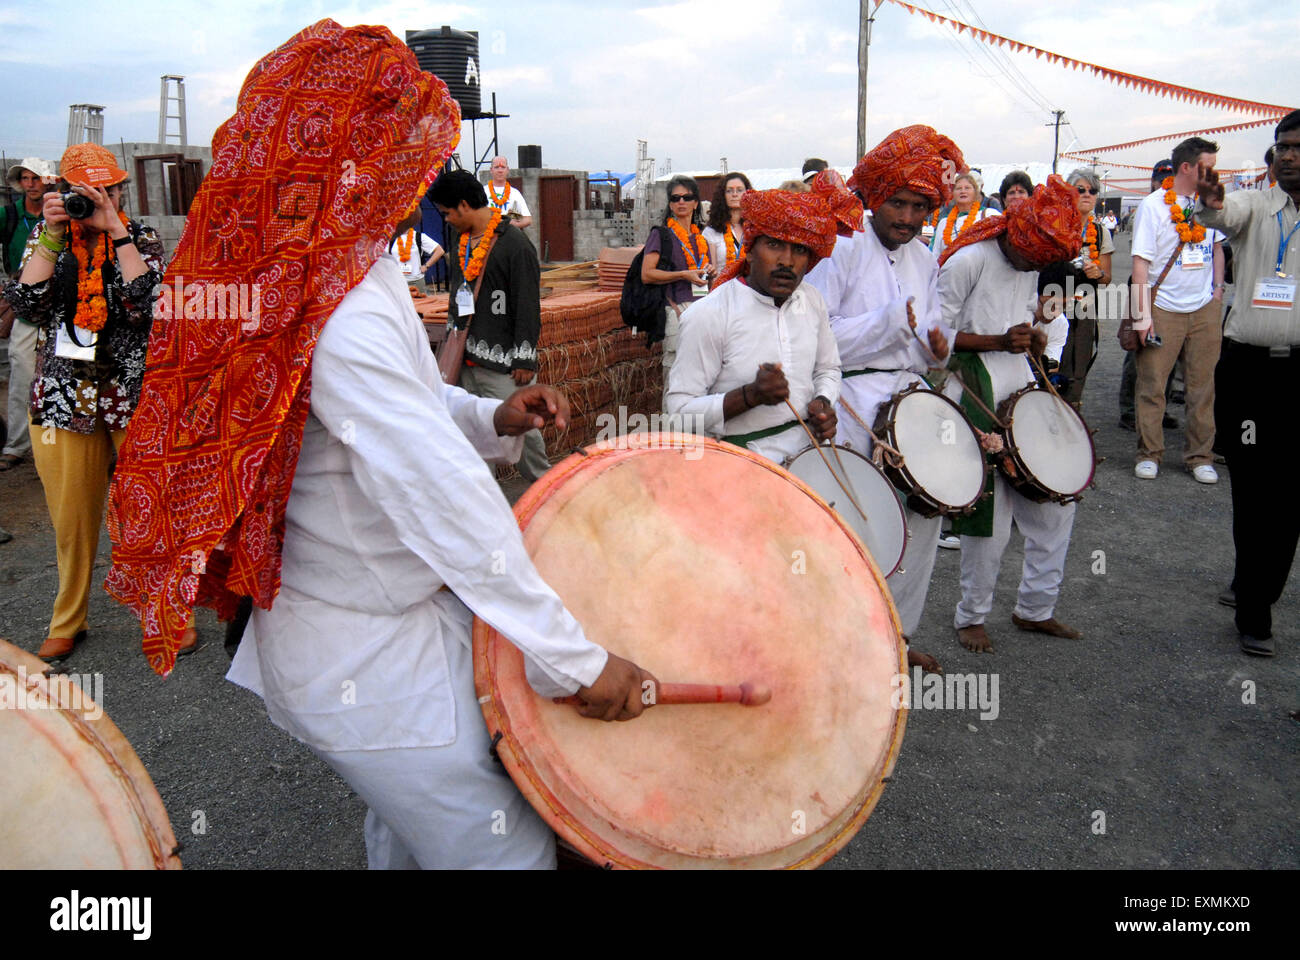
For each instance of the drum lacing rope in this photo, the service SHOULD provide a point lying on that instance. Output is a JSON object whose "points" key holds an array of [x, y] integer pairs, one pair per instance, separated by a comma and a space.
{"points": [[882, 450], [836, 476]]}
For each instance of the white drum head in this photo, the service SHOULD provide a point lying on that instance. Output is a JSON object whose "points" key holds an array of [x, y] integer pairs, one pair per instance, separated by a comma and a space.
{"points": [[1052, 442], [884, 531], [942, 451]]}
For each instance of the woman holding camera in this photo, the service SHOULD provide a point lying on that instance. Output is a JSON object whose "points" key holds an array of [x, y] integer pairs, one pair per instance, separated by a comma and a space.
{"points": [[88, 284], [1090, 271]]}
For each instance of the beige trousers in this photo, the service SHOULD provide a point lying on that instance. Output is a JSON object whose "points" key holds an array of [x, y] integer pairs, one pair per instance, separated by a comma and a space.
{"points": [[1195, 336]]}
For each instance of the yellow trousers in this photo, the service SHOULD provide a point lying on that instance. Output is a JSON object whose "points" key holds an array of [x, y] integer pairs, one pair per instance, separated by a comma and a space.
{"points": [[73, 468]]}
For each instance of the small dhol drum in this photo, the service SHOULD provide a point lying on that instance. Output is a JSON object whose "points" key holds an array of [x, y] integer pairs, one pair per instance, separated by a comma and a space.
{"points": [[74, 794], [1049, 454], [883, 529], [703, 563], [943, 469]]}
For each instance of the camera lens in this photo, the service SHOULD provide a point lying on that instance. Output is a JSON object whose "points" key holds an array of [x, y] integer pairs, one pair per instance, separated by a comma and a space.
{"points": [[76, 206]]}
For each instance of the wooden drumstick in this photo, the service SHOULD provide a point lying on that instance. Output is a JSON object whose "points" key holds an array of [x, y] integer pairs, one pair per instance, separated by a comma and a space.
{"points": [[746, 694]]}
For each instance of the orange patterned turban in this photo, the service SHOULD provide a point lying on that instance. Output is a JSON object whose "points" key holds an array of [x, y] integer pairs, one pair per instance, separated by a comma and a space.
{"points": [[915, 158], [332, 135], [1044, 227], [813, 219]]}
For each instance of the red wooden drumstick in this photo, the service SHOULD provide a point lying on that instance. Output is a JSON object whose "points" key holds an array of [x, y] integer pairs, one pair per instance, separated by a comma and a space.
{"points": [[746, 694]]}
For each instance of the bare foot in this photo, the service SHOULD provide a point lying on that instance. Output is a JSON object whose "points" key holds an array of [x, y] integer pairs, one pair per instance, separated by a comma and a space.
{"points": [[926, 662], [975, 639]]}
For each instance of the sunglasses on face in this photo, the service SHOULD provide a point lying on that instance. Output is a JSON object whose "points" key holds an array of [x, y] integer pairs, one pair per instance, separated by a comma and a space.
{"points": [[1083, 190], [681, 197]]}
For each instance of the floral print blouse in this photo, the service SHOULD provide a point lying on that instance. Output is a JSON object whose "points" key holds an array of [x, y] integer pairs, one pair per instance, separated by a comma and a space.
{"points": [[75, 394]]}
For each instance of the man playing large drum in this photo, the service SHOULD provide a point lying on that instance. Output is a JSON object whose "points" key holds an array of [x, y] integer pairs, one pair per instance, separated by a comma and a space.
{"points": [[310, 457], [987, 288], [753, 349], [879, 287]]}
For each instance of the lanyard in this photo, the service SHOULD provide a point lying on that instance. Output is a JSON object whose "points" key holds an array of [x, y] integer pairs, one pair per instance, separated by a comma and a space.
{"points": [[469, 255], [1283, 243]]}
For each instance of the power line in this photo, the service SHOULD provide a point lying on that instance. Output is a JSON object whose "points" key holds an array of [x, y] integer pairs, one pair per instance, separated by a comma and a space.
{"points": [[1032, 110], [1010, 65]]}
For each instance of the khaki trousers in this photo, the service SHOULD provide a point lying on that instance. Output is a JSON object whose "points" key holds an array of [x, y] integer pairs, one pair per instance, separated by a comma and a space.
{"points": [[1197, 337], [499, 386], [73, 468]]}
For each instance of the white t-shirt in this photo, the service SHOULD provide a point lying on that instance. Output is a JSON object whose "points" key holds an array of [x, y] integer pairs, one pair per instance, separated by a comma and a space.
{"points": [[936, 243], [512, 199], [422, 248], [1188, 286], [717, 242]]}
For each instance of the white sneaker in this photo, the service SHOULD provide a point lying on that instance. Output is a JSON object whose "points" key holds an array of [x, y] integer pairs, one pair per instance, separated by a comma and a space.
{"points": [[1205, 473], [1147, 470], [950, 542]]}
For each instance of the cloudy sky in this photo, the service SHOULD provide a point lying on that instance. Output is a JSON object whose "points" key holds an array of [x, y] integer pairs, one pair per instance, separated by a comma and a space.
{"points": [[762, 82]]}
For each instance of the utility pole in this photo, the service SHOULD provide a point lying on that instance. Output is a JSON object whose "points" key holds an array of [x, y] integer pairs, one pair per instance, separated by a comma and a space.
{"points": [[1056, 139], [865, 20]]}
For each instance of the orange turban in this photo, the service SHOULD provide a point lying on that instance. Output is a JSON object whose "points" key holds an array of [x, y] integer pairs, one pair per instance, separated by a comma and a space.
{"points": [[332, 135], [1044, 227], [813, 219], [915, 158]]}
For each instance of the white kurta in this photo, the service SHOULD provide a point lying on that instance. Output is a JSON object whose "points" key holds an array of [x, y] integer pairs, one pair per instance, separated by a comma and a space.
{"points": [[390, 502], [980, 292], [727, 335], [866, 288]]}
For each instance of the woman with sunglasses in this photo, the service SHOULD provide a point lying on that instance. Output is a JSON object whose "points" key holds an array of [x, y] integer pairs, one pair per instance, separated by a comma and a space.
{"points": [[725, 234], [1091, 269], [677, 256]]}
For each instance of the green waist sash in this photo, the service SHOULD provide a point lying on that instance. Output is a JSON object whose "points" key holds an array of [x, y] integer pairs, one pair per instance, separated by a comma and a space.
{"points": [[745, 439], [971, 369]]}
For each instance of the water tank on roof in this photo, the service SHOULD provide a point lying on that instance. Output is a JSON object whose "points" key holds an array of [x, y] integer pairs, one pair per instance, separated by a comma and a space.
{"points": [[530, 155], [452, 57]]}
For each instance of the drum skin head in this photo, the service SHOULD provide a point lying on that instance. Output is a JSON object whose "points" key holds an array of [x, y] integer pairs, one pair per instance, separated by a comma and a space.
{"points": [[1053, 442], [942, 452], [703, 563], [75, 796]]}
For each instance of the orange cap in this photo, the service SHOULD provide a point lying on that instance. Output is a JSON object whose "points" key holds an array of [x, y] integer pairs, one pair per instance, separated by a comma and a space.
{"points": [[90, 165]]}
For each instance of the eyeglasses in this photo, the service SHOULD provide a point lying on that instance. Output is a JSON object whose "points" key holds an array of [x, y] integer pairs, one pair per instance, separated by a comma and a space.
{"points": [[681, 197], [1082, 190], [1280, 148]]}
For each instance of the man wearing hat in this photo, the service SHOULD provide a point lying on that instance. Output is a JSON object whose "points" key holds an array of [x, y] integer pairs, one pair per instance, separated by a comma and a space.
{"points": [[88, 286], [17, 220]]}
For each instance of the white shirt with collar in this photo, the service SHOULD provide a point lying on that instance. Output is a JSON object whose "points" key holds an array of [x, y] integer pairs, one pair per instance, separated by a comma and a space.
{"points": [[391, 501], [866, 287], [1187, 287], [727, 335]]}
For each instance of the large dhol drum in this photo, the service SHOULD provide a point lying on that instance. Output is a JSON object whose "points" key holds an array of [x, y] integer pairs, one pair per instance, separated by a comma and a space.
{"points": [[703, 563], [881, 525], [944, 469], [1049, 454], [74, 794]]}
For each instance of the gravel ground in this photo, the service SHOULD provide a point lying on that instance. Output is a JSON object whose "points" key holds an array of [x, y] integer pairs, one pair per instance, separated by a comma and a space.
{"points": [[1142, 720]]}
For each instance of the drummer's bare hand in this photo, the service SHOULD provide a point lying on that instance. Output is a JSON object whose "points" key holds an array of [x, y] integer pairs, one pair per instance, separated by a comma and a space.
{"points": [[769, 385], [1037, 341], [621, 691], [938, 343], [821, 418], [531, 408], [1017, 339], [911, 314]]}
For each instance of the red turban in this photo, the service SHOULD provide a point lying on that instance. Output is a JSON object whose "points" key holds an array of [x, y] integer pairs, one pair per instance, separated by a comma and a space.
{"points": [[1044, 228], [813, 219], [332, 135], [915, 158]]}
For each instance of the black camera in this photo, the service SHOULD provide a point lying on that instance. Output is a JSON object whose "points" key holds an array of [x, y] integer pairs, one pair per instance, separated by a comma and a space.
{"points": [[77, 206]]}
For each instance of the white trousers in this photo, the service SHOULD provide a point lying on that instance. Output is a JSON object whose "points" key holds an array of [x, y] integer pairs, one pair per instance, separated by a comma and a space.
{"points": [[1046, 527], [22, 367], [910, 584], [446, 808]]}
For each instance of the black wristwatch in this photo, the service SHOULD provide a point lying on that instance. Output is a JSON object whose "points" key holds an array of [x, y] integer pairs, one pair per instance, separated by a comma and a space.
{"points": [[121, 242]]}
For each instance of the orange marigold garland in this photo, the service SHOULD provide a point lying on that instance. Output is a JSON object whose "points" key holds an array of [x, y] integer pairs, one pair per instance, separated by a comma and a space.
{"points": [[404, 246], [501, 200], [92, 308], [1090, 238], [734, 248], [952, 218], [693, 262], [475, 265], [1187, 233]]}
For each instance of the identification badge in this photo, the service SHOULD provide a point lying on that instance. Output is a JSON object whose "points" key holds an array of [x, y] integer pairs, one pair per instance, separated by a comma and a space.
{"points": [[698, 292], [1274, 294], [464, 301], [81, 349], [1193, 258]]}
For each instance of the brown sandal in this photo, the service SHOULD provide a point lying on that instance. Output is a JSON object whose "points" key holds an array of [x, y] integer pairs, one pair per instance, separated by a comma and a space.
{"points": [[9, 461]]}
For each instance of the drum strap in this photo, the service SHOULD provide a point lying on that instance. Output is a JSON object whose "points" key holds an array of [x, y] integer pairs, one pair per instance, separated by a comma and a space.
{"points": [[745, 439]]}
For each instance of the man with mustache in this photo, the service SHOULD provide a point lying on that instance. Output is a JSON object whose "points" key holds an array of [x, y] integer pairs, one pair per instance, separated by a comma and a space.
{"points": [[1255, 399], [879, 287], [754, 345]]}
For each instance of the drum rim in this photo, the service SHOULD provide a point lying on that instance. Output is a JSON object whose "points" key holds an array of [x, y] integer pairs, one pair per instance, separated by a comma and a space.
{"points": [[506, 743], [1005, 413], [109, 743], [885, 425], [902, 513]]}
